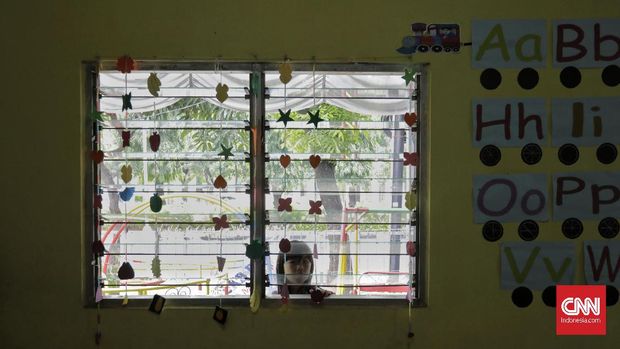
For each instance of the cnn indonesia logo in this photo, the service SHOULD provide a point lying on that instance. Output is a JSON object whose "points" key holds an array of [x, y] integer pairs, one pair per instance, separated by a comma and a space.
{"points": [[581, 310]]}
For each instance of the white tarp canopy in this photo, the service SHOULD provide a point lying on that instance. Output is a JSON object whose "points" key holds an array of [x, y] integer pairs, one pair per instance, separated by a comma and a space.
{"points": [[364, 93]]}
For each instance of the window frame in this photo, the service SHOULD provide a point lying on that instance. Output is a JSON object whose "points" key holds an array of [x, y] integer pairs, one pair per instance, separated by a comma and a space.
{"points": [[258, 275]]}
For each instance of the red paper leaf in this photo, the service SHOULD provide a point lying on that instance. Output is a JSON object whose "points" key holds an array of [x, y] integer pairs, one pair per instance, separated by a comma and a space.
{"points": [[220, 182], [125, 64], [154, 140], [97, 202]]}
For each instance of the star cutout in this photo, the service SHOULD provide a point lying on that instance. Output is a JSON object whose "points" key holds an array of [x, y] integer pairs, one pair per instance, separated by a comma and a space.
{"points": [[226, 152], [408, 77], [285, 117], [127, 102], [314, 119]]}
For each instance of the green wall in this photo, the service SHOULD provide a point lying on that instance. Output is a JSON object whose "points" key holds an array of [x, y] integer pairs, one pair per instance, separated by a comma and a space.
{"points": [[42, 225]]}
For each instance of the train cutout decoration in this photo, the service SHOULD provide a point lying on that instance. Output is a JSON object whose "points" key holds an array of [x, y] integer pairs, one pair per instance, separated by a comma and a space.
{"points": [[434, 37]]}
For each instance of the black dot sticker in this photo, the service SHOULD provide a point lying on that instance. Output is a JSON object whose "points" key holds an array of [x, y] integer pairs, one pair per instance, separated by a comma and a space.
{"points": [[548, 296], [606, 153], [568, 154], [528, 78], [572, 228], [608, 227], [490, 79], [492, 231], [522, 297], [531, 153], [611, 75], [570, 77], [528, 230], [612, 296], [490, 155]]}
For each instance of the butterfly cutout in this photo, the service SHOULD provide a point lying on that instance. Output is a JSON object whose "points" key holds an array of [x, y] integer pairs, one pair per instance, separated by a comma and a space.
{"points": [[411, 159], [220, 222], [285, 204], [126, 102], [125, 64], [315, 207]]}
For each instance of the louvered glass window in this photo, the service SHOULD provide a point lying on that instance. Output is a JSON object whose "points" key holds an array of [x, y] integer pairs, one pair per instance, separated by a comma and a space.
{"points": [[205, 163]]}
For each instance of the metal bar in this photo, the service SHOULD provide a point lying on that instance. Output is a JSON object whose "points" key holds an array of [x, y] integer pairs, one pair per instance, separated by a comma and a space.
{"points": [[243, 254], [272, 97]]}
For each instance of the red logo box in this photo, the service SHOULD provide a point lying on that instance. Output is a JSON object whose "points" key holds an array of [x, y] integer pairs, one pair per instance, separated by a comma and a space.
{"points": [[580, 310]]}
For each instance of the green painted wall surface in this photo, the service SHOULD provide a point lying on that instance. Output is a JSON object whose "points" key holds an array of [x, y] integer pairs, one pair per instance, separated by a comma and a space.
{"points": [[43, 44]]}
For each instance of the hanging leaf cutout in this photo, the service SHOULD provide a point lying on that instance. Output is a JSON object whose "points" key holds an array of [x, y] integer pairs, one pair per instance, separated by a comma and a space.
{"points": [[411, 199], [156, 203], [284, 293], [315, 207], [220, 182], [284, 204], [221, 92], [127, 193], [315, 160], [154, 140], [220, 222], [286, 72], [125, 272], [221, 261], [284, 245], [97, 156], [126, 173], [125, 64], [126, 135], [285, 160], [153, 83]]}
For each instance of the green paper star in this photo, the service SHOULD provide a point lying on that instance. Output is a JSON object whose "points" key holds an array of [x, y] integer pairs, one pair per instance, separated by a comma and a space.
{"points": [[97, 116], [127, 102], [226, 152], [254, 250], [314, 119], [408, 77], [285, 117]]}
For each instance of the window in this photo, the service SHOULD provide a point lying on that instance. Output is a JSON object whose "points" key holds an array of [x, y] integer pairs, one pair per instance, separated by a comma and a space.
{"points": [[184, 182]]}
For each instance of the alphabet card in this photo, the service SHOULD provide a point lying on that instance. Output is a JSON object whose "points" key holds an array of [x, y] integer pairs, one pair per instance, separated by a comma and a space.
{"points": [[601, 262], [585, 121], [586, 43], [586, 195], [509, 43], [537, 265]]}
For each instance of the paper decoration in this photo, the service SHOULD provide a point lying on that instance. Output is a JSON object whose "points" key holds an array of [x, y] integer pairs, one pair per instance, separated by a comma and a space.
{"points": [[125, 272], [221, 92], [98, 295], [285, 117], [314, 118], [156, 203], [585, 121], [226, 152], [436, 37], [98, 201], [220, 182], [284, 204], [411, 250], [220, 222], [97, 156], [286, 71], [537, 265], [284, 245], [315, 160], [315, 207], [586, 195], [220, 315], [126, 102], [126, 173], [221, 261], [411, 118], [411, 200], [126, 136], [509, 43], [153, 83], [157, 304], [410, 159], [408, 77], [585, 43], [285, 160], [254, 250], [317, 296], [315, 251], [601, 262], [154, 140], [97, 248], [127, 193], [97, 116], [284, 294], [125, 64]]}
